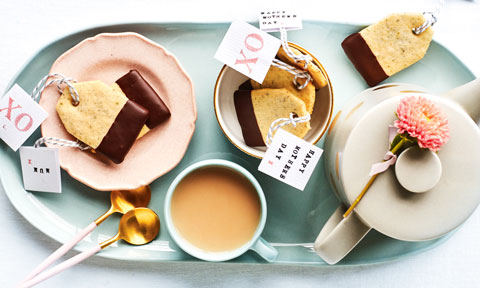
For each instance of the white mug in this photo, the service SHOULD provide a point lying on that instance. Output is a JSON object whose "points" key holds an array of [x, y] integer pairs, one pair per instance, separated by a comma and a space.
{"points": [[256, 243]]}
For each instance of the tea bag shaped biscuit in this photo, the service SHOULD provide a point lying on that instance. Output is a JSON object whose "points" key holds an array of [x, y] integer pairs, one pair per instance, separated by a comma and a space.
{"points": [[317, 76], [279, 78], [257, 109], [387, 47], [104, 119]]}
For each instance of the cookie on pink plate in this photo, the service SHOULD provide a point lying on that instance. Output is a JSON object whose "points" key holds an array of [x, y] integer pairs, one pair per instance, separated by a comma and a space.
{"points": [[107, 57]]}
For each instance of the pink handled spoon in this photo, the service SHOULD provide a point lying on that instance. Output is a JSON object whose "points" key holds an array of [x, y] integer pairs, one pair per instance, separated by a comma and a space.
{"points": [[122, 202], [138, 227]]}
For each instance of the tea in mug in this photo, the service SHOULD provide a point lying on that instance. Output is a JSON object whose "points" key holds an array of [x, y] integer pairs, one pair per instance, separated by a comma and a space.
{"points": [[216, 209]]}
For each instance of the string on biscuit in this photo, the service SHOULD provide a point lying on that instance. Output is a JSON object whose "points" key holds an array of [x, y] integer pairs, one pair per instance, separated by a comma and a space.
{"points": [[297, 58], [61, 142], [297, 72], [280, 122], [59, 80], [430, 18]]}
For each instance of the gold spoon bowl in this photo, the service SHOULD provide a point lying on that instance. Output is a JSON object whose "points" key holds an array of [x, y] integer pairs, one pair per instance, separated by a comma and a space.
{"points": [[126, 200], [137, 227]]}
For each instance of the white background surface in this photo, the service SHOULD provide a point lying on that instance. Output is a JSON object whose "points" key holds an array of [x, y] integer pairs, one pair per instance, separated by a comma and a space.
{"points": [[26, 26]]}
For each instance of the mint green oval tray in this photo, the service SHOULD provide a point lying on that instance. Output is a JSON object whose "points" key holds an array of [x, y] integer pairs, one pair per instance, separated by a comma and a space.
{"points": [[294, 217]]}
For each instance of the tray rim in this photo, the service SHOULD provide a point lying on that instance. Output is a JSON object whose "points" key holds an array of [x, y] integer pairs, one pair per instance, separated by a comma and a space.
{"points": [[82, 247], [141, 23]]}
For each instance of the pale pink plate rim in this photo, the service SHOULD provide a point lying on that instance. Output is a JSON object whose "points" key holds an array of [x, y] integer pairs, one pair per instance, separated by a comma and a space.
{"points": [[107, 187]]}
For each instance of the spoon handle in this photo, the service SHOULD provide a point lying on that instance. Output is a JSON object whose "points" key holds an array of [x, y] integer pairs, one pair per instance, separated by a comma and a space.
{"points": [[61, 251], [60, 267]]}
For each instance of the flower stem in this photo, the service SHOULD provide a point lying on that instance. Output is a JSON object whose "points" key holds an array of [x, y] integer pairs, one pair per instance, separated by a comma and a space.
{"points": [[398, 146], [370, 182]]}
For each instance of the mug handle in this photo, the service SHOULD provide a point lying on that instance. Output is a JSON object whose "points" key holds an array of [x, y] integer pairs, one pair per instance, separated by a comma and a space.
{"points": [[265, 250], [340, 235]]}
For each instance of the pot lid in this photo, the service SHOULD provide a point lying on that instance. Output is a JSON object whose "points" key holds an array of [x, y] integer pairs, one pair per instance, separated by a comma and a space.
{"points": [[388, 206]]}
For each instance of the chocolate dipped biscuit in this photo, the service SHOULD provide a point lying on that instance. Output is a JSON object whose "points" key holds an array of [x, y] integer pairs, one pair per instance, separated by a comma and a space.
{"points": [[317, 76], [137, 89], [257, 109], [387, 47], [278, 78], [245, 86], [105, 119], [246, 117]]}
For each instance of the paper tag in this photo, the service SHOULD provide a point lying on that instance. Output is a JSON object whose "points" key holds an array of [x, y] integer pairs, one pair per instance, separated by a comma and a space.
{"points": [[40, 169], [272, 20], [290, 159], [20, 116], [248, 50]]}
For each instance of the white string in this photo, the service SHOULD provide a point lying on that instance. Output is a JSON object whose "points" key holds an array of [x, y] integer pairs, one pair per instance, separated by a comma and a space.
{"points": [[59, 79], [430, 18], [286, 48], [298, 73], [61, 142], [280, 122]]}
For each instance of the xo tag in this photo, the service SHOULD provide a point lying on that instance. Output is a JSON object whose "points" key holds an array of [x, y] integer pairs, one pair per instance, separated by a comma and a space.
{"points": [[40, 169], [290, 159], [20, 116], [272, 20], [248, 50]]}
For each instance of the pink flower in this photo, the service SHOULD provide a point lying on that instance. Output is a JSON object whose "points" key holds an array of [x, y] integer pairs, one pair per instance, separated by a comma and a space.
{"points": [[423, 120]]}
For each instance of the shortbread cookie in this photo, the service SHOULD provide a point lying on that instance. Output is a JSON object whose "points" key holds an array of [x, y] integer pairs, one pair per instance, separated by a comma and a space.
{"points": [[104, 119], [137, 89], [317, 76], [387, 47], [279, 78], [257, 109]]}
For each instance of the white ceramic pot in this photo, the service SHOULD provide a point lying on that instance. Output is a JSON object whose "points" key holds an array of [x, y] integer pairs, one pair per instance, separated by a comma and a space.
{"points": [[358, 138]]}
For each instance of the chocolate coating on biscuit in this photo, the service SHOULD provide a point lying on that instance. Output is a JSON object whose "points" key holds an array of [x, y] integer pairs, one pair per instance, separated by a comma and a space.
{"points": [[123, 132], [363, 59], [247, 85], [137, 89], [246, 117]]}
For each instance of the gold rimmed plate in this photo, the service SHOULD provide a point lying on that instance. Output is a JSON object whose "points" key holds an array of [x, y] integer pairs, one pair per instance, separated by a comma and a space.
{"points": [[228, 82]]}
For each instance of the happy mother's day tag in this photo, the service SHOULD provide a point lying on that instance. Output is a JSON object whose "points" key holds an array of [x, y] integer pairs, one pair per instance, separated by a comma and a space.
{"points": [[290, 159], [271, 20]]}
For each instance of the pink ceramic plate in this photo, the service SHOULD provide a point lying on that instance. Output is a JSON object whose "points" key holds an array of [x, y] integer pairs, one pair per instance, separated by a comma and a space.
{"points": [[107, 57]]}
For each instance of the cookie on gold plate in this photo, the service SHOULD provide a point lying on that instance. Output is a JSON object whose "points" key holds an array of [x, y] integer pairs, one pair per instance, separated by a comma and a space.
{"points": [[278, 78], [257, 109]]}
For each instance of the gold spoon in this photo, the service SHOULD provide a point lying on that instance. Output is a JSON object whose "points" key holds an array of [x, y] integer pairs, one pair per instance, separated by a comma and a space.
{"points": [[138, 226], [126, 200], [122, 202]]}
